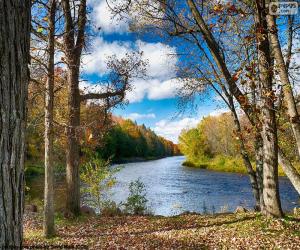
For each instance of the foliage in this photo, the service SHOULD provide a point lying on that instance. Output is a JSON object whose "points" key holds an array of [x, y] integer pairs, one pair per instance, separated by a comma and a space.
{"points": [[126, 139], [213, 144], [98, 177], [136, 202]]}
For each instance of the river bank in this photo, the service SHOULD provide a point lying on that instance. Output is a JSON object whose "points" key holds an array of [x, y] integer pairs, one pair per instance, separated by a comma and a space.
{"points": [[192, 231], [227, 165]]}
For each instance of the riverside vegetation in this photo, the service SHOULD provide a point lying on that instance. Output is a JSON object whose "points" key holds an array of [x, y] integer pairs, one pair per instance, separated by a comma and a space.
{"points": [[214, 144]]}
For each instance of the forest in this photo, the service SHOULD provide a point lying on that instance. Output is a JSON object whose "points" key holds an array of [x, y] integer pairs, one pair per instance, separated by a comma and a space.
{"points": [[58, 114]]}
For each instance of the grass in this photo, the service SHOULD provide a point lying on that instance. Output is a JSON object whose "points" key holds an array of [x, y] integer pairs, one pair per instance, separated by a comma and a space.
{"points": [[226, 164], [220, 231]]}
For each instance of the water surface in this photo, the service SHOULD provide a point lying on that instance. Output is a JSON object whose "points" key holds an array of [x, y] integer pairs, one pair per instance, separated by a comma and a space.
{"points": [[173, 188]]}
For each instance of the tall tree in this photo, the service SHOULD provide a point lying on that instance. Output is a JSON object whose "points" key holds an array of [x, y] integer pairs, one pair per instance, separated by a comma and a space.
{"points": [[282, 68], [48, 223], [190, 21], [14, 76], [121, 72], [269, 128]]}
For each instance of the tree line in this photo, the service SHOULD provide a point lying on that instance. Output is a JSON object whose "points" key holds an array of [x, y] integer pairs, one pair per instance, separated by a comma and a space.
{"points": [[127, 140], [215, 137]]}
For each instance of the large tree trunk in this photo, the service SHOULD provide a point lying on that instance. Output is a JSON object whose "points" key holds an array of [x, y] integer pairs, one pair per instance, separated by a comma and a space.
{"points": [[73, 181], [14, 76], [271, 197], [48, 223], [284, 77], [74, 38]]}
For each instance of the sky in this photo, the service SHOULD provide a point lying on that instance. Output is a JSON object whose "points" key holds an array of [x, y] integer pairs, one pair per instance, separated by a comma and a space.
{"points": [[153, 101]]}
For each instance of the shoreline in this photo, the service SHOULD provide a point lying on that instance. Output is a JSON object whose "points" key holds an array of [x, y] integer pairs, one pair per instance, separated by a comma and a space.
{"points": [[140, 159]]}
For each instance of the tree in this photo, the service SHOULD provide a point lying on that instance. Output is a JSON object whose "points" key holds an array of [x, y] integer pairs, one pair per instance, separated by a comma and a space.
{"points": [[204, 25], [282, 68], [269, 128], [121, 73], [14, 60], [48, 223]]}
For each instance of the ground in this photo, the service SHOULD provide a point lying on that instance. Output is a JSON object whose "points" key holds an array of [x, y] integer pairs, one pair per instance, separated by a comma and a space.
{"points": [[191, 231]]}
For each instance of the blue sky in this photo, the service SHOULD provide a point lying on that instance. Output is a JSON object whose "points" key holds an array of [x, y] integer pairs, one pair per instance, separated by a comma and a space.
{"points": [[153, 100]]}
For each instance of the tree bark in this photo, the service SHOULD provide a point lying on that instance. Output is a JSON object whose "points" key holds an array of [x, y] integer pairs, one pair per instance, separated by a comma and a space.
{"points": [[272, 205], [73, 45], [48, 223], [284, 77], [73, 144], [289, 170], [14, 75], [259, 159]]}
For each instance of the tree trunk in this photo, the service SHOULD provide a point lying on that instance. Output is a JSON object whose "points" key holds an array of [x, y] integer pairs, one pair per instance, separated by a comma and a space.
{"points": [[14, 76], [289, 170], [271, 197], [48, 223], [284, 78], [259, 159], [73, 181], [73, 44]]}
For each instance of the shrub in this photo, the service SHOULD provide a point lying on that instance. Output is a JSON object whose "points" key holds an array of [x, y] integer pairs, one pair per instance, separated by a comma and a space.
{"points": [[98, 177], [136, 202], [110, 208]]}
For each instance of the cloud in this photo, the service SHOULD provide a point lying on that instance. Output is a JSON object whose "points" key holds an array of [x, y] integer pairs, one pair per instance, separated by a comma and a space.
{"points": [[103, 18], [172, 129], [161, 59], [137, 116], [95, 61], [153, 89], [160, 82], [218, 112]]}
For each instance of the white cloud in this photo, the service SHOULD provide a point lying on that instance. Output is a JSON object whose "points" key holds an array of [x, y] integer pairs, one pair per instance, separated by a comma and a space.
{"points": [[218, 112], [161, 58], [103, 18], [137, 116], [95, 61], [153, 89], [172, 129], [160, 82]]}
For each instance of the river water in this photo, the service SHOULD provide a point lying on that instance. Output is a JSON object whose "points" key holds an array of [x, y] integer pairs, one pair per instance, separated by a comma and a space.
{"points": [[172, 188]]}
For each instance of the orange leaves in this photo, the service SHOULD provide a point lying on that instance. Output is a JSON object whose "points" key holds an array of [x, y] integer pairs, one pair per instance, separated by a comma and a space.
{"points": [[236, 76], [218, 8]]}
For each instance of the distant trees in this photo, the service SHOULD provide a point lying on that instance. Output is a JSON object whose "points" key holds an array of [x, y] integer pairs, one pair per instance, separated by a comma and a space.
{"points": [[14, 77], [126, 139]]}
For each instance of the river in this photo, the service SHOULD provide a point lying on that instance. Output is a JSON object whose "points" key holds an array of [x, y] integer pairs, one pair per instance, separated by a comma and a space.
{"points": [[173, 188]]}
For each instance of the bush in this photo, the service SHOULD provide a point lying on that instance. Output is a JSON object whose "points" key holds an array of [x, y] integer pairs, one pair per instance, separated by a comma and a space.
{"points": [[98, 177], [136, 202], [110, 208]]}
